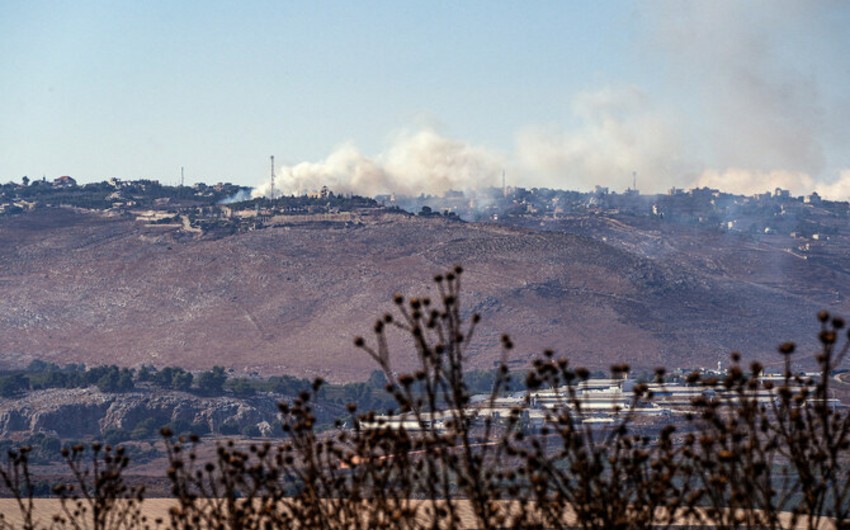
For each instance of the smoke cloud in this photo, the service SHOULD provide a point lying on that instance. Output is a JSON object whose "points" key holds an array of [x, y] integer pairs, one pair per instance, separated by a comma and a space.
{"points": [[758, 73], [619, 132], [739, 96], [748, 182], [416, 163]]}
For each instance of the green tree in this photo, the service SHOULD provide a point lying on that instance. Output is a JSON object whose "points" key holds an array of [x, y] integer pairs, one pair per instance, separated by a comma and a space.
{"points": [[211, 383], [13, 385], [173, 378], [147, 373], [242, 387], [116, 380], [182, 380]]}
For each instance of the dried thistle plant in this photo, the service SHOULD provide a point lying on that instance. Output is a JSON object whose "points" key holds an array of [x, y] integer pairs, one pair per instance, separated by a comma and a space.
{"points": [[97, 497], [751, 452]]}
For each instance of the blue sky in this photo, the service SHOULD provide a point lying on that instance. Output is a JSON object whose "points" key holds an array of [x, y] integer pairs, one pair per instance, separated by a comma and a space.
{"points": [[425, 96]]}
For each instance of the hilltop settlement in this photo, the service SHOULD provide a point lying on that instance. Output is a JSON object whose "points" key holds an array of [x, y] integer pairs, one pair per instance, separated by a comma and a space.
{"points": [[222, 209]]}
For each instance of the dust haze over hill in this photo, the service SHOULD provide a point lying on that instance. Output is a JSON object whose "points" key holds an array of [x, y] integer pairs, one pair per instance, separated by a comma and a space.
{"points": [[81, 287]]}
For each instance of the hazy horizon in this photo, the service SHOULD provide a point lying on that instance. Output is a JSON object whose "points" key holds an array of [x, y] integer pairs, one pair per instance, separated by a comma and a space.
{"points": [[421, 97]]}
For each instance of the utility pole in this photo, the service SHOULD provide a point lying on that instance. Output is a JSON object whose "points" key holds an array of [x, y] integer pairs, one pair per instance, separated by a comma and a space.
{"points": [[271, 190]]}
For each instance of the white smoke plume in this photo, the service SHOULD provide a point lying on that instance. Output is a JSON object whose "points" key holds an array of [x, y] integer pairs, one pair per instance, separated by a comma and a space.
{"points": [[838, 189], [739, 99], [416, 163], [748, 182], [750, 110], [764, 114], [619, 133]]}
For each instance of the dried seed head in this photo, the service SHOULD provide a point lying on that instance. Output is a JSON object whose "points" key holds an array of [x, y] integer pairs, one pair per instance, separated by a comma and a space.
{"points": [[532, 382], [827, 337], [618, 369]]}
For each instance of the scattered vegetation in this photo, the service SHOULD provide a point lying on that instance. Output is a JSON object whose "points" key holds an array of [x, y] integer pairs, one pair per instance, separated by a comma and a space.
{"points": [[737, 460], [213, 383]]}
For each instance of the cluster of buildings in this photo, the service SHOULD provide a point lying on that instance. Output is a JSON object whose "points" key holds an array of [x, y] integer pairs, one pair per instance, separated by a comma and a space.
{"points": [[809, 220], [198, 209], [595, 402], [765, 213]]}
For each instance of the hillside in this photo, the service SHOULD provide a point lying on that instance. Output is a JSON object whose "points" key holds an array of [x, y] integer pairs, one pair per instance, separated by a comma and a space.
{"points": [[82, 287]]}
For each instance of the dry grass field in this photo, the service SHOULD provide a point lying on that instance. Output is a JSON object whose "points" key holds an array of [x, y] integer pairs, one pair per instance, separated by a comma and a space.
{"points": [[154, 509], [45, 509]]}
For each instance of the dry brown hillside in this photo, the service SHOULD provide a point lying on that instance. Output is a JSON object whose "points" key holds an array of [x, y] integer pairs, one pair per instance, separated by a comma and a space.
{"points": [[81, 287]]}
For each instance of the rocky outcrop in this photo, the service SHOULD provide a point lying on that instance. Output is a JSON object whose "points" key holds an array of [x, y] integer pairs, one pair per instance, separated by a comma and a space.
{"points": [[80, 412]]}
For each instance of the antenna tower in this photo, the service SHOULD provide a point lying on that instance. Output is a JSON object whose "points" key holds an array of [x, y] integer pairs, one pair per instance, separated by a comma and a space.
{"points": [[271, 190], [634, 180], [181, 176]]}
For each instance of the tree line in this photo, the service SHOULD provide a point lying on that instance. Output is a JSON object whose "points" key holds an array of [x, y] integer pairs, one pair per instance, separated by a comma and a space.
{"points": [[40, 375]]}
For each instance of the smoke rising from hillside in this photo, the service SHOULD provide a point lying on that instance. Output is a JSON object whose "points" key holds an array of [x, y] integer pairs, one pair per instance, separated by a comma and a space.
{"points": [[764, 113], [422, 162], [749, 182], [619, 132], [739, 99]]}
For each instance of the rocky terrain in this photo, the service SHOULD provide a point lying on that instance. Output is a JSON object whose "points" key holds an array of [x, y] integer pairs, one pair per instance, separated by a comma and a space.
{"points": [[83, 287], [84, 412]]}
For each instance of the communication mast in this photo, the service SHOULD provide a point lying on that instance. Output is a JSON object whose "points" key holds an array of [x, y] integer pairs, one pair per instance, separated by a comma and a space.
{"points": [[181, 176], [271, 190]]}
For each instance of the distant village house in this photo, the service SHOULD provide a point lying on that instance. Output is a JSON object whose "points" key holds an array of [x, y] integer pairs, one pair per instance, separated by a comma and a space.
{"points": [[64, 182]]}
